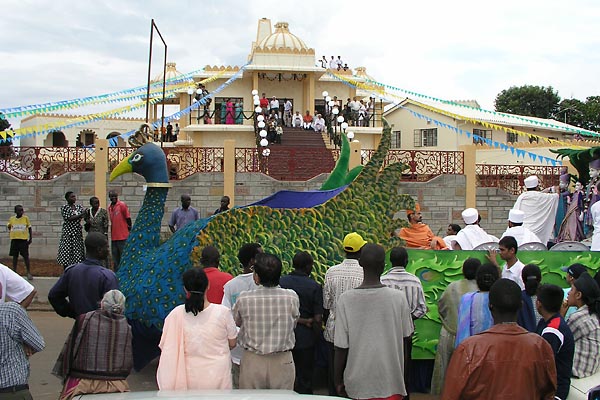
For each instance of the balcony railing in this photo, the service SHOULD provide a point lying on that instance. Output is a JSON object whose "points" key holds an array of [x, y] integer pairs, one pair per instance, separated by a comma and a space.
{"points": [[422, 165], [511, 177], [44, 163]]}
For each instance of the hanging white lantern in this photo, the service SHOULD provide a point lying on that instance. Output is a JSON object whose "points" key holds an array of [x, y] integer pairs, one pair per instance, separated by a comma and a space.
{"points": [[350, 135], [335, 110], [263, 133], [190, 91], [264, 142], [260, 118], [340, 119], [258, 110], [261, 124], [327, 98], [255, 97], [344, 125], [256, 102], [325, 93], [199, 91], [254, 92], [266, 152]]}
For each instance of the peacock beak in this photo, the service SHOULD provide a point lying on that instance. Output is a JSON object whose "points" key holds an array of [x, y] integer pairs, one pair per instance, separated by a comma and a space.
{"points": [[123, 167]]}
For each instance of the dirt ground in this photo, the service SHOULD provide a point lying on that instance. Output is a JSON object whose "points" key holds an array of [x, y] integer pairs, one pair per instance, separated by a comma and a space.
{"points": [[44, 268]]}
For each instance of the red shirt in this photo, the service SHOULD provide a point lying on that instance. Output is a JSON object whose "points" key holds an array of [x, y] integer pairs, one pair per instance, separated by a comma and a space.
{"points": [[264, 103], [217, 280], [118, 221]]}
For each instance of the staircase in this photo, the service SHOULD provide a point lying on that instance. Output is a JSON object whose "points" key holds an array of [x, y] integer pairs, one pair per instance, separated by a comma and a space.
{"points": [[302, 155]]}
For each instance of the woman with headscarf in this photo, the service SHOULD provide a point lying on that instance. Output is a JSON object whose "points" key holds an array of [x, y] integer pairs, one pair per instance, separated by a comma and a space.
{"points": [[528, 315], [474, 314], [196, 341], [70, 248], [97, 356], [585, 325]]}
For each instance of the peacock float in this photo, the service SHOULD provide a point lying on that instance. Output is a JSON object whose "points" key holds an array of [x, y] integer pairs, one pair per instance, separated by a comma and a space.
{"points": [[150, 272]]}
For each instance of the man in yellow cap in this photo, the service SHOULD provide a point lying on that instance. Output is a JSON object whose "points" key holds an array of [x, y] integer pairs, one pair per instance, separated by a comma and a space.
{"points": [[418, 235], [339, 279]]}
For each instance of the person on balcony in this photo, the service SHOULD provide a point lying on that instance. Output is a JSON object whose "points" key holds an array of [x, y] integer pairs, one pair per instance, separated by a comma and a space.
{"points": [[319, 124], [539, 208], [239, 112], [229, 109], [297, 120], [307, 121], [418, 235]]}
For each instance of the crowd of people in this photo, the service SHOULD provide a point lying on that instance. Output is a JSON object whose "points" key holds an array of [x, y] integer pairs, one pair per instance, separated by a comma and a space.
{"points": [[505, 331], [333, 63]]}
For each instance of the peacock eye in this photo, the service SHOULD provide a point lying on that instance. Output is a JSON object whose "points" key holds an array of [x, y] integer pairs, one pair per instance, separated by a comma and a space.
{"points": [[136, 158]]}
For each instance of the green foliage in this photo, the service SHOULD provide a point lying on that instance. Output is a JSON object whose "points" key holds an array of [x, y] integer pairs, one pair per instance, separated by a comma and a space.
{"points": [[534, 101], [437, 268]]}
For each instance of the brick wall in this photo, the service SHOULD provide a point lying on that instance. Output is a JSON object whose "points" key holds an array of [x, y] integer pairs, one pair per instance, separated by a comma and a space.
{"points": [[442, 200]]}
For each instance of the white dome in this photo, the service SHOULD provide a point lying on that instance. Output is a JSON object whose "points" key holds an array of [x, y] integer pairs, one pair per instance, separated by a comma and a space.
{"points": [[171, 73], [282, 39]]}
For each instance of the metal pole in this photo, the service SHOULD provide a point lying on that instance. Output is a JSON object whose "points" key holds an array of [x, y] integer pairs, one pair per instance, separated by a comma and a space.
{"points": [[149, 70]]}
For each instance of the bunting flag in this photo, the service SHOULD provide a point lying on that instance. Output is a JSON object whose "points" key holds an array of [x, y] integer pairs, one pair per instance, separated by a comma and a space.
{"points": [[85, 119], [461, 117], [113, 142], [13, 112], [583, 132], [520, 153]]}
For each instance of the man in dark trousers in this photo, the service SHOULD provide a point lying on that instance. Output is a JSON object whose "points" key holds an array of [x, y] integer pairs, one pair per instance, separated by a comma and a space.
{"points": [[82, 286], [311, 317]]}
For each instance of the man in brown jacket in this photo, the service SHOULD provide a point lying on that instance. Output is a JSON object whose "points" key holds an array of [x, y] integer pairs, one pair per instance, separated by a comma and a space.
{"points": [[505, 361]]}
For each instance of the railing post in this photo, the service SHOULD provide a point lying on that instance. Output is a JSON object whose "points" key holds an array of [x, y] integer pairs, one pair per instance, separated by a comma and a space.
{"points": [[101, 170], [355, 154], [470, 160], [229, 170]]}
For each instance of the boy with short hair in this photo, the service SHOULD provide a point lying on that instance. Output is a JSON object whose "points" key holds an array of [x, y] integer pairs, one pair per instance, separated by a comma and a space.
{"points": [[20, 238], [557, 333]]}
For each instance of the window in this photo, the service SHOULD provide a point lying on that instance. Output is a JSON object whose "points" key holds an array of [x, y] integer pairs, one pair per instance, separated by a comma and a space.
{"points": [[483, 134], [511, 137], [396, 140], [425, 137]]}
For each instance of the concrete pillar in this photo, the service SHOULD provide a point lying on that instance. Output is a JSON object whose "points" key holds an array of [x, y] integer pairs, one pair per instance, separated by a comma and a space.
{"points": [[229, 170], [310, 95], [470, 159], [355, 156], [255, 83], [101, 170]]}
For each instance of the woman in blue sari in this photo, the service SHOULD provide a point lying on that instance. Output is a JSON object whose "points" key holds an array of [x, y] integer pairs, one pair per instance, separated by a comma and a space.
{"points": [[473, 313]]}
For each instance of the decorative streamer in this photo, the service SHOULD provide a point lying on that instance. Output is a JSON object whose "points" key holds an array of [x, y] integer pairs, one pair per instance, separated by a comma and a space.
{"points": [[519, 152], [457, 116], [82, 120], [583, 132], [176, 116]]}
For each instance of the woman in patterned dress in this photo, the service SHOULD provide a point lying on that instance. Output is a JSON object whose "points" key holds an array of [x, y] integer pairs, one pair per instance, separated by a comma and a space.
{"points": [[70, 248]]}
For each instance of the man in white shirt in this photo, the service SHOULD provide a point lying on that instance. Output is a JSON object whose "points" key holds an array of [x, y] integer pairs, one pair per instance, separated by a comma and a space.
{"points": [[274, 105], [287, 113], [517, 230], [232, 289], [507, 249], [472, 235], [319, 124], [539, 208], [15, 288]]}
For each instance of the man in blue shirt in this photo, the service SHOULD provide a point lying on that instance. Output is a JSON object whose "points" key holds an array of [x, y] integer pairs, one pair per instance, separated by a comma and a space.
{"points": [[85, 283], [311, 317], [555, 330], [183, 215]]}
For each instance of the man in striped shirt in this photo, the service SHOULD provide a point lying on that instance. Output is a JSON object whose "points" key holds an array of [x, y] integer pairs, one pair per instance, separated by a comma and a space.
{"points": [[398, 278], [267, 317]]}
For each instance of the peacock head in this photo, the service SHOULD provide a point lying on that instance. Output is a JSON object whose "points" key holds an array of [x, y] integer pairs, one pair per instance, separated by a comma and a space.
{"points": [[148, 160]]}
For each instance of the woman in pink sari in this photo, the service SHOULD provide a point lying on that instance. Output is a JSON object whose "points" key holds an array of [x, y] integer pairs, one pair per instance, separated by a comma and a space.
{"points": [[229, 109], [196, 340]]}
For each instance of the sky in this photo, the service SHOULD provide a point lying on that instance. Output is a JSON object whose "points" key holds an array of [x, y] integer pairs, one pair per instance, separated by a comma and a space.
{"points": [[54, 50]]}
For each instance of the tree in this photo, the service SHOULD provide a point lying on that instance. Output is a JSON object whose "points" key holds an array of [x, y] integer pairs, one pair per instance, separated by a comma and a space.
{"points": [[533, 101]]}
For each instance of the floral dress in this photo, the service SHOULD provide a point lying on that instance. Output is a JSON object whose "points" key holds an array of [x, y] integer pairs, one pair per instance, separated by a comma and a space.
{"points": [[70, 248]]}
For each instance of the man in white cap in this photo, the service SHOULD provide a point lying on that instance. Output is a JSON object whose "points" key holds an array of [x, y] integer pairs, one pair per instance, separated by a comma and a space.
{"points": [[517, 230], [539, 207], [472, 235]]}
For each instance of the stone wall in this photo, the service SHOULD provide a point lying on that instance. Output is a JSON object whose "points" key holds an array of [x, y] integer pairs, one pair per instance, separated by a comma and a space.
{"points": [[442, 200]]}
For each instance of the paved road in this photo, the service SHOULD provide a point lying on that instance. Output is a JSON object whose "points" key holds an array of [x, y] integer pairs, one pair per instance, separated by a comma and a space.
{"points": [[45, 386]]}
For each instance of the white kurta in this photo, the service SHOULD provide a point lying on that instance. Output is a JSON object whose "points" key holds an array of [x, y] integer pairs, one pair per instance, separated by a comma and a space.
{"points": [[595, 212], [472, 236], [540, 212], [522, 235]]}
